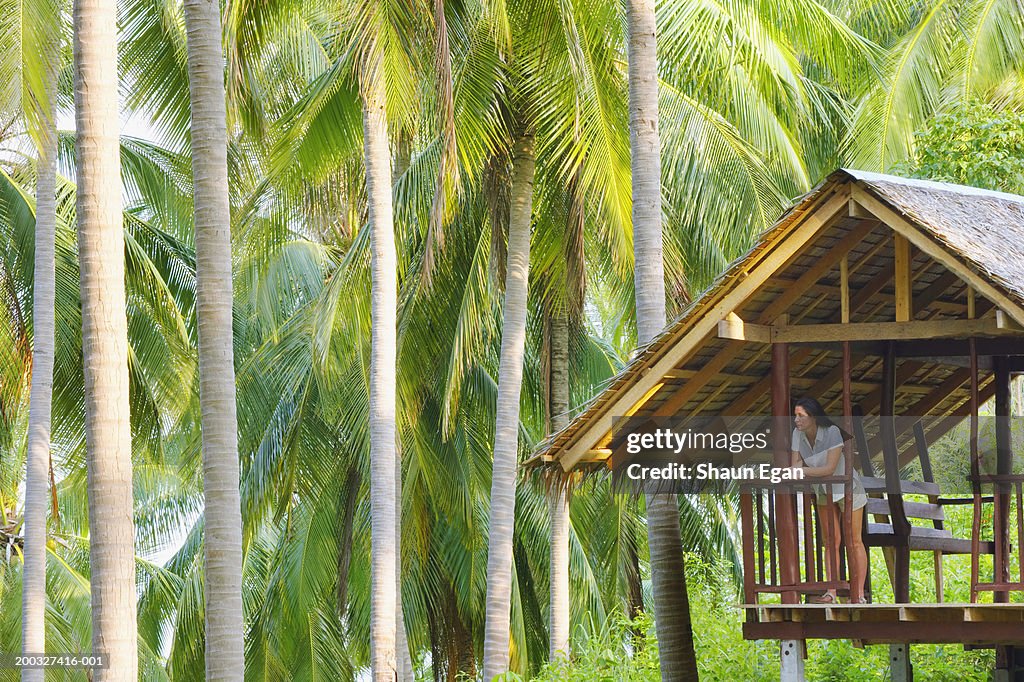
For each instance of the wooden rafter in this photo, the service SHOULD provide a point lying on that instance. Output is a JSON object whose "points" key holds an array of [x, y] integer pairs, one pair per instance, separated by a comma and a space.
{"points": [[738, 330], [928, 245]]}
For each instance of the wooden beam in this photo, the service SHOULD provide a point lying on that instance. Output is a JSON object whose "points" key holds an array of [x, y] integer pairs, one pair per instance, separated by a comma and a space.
{"points": [[777, 307], [866, 293], [927, 244], [733, 327], [785, 248], [844, 289], [894, 331], [841, 248], [953, 308], [858, 211], [1004, 321], [699, 380], [931, 293], [922, 407], [904, 285], [862, 331]]}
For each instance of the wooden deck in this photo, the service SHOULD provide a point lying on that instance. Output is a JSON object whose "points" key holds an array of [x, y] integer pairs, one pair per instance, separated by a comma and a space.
{"points": [[988, 624]]}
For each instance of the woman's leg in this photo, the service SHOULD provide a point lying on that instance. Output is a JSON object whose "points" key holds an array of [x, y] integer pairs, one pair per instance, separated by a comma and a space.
{"points": [[858, 557], [830, 537]]}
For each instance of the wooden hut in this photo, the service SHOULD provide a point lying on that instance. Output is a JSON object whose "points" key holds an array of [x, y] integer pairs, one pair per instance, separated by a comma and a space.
{"points": [[878, 295]]}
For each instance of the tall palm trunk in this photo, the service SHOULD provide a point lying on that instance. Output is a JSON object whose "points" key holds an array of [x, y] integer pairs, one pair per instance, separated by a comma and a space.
{"points": [[104, 340], [383, 367], [403, 657], [506, 429], [403, 156], [671, 605], [222, 551], [558, 499], [33, 609]]}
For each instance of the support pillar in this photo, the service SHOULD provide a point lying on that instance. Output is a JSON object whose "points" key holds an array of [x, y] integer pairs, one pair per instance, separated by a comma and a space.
{"points": [[785, 503], [1004, 465], [791, 657], [1005, 664], [1001, 503], [899, 663]]}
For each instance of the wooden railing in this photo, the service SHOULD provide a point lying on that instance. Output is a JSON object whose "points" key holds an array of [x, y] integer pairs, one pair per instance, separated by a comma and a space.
{"points": [[764, 551]]}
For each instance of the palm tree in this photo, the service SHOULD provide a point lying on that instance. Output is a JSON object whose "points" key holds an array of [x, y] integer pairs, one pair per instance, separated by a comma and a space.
{"points": [[38, 455], [159, 289], [936, 57], [506, 429], [40, 104], [558, 495], [383, 364], [222, 550], [671, 605], [105, 339]]}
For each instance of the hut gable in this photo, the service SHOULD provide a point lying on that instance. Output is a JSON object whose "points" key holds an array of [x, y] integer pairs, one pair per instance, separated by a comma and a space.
{"points": [[985, 228], [949, 243]]}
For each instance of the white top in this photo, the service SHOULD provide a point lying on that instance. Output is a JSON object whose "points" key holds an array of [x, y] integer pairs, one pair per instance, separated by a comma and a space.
{"points": [[817, 456]]}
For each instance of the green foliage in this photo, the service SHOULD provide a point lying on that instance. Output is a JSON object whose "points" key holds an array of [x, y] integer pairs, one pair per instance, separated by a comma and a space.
{"points": [[618, 649], [974, 145], [608, 652]]}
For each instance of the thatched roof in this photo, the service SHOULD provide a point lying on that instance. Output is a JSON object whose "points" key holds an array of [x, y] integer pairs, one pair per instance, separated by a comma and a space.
{"points": [[983, 227], [978, 236]]}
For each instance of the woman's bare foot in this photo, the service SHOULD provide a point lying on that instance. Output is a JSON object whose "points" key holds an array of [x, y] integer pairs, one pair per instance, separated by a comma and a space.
{"points": [[827, 598]]}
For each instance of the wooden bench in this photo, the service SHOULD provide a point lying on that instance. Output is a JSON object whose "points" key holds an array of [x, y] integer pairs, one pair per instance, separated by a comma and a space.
{"points": [[891, 528]]}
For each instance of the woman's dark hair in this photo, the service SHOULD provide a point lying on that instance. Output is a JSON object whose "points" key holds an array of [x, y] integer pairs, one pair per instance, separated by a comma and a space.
{"points": [[814, 409]]}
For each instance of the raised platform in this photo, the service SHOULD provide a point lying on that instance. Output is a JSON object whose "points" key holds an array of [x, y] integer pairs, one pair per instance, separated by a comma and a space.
{"points": [[975, 624]]}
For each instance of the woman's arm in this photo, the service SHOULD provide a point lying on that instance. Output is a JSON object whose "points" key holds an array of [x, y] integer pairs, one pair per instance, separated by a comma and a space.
{"points": [[830, 465]]}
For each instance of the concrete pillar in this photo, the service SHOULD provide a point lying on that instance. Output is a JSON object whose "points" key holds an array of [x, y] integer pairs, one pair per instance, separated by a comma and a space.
{"points": [[899, 662], [791, 655]]}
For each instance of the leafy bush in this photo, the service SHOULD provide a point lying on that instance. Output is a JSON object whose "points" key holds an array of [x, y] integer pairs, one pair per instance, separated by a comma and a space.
{"points": [[973, 144], [607, 652]]}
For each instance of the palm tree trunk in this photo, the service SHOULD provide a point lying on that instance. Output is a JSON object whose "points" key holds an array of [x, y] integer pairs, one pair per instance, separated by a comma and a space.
{"points": [[558, 500], [506, 429], [33, 624], [403, 156], [383, 367], [671, 605], [104, 341], [222, 575], [403, 656]]}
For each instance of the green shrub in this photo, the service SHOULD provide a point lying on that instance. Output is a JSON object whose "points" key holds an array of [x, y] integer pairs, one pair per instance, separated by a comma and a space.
{"points": [[606, 652]]}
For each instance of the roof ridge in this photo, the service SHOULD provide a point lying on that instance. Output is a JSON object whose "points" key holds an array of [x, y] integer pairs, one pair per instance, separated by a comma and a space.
{"points": [[869, 176]]}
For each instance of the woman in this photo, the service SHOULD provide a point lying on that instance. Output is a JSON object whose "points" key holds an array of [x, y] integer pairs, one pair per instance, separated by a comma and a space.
{"points": [[818, 448]]}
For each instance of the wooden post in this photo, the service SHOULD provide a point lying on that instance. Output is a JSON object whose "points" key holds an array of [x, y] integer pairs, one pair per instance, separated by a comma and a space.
{"points": [[790, 650], [747, 530], [1004, 465], [785, 505], [1001, 500], [1004, 669], [903, 281], [844, 289], [975, 463], [844, 295], [890, 457]]}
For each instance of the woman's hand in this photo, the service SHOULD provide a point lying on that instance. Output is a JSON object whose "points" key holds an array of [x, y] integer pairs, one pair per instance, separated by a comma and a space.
{"points": [[830, 465]]}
